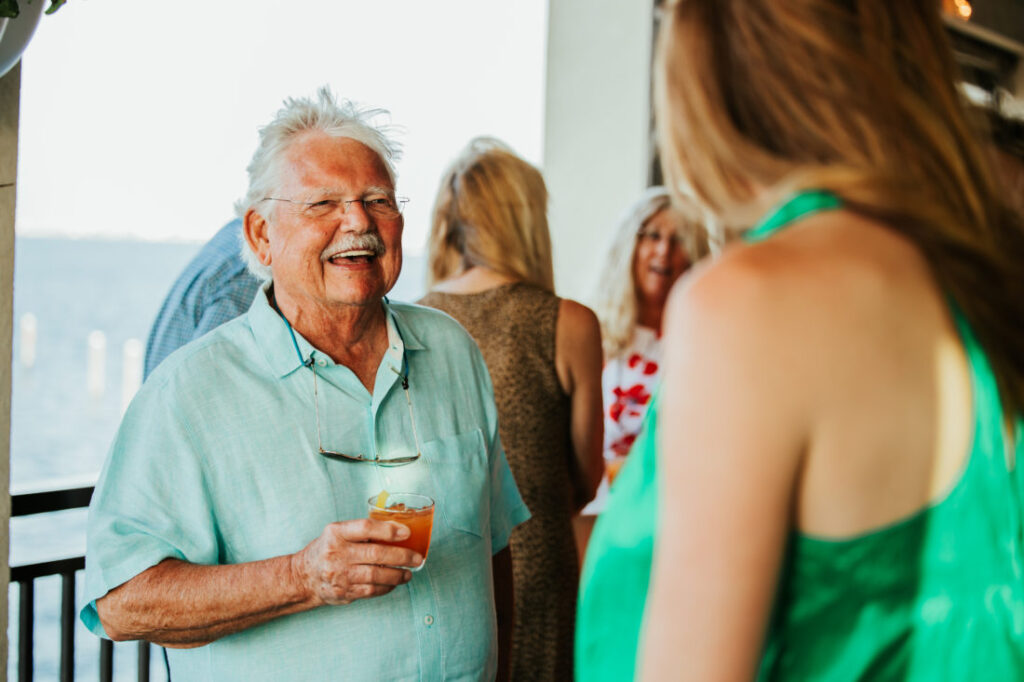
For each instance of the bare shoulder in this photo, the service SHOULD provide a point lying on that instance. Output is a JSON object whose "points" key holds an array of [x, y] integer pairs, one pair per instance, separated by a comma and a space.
{"points": [[837, 272], [577, 334], [836, 300], [577, 346], [576, 319]]}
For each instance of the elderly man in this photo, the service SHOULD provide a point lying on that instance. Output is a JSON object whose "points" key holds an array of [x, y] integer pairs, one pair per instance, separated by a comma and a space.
{"points": [[229, 522]]}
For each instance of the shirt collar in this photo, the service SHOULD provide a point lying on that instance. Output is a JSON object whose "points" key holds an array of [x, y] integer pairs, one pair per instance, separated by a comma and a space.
{"points": [[272, 336]]}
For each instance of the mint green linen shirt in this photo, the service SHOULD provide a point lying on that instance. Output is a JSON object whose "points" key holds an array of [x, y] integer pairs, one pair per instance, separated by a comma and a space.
{"points": [[216, 462]]}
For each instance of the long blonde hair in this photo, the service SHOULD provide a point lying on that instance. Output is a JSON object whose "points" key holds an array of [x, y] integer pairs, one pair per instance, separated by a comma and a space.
{"points": [[857, 97], [491, 211], [614, 300]]}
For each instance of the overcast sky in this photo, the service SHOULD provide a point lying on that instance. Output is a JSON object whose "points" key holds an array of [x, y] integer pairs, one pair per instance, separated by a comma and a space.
{"points": [[138, 117]]}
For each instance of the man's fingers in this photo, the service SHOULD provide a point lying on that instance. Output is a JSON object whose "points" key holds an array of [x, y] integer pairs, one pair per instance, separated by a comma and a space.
{"points": [[349, 560], [380, 575], [376, 554], [355, 592], [364, 530], [367, 591], [366, 581]]}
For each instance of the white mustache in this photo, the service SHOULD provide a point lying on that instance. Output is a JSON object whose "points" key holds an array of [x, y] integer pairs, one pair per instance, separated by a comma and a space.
{"points": [[368, 241]]}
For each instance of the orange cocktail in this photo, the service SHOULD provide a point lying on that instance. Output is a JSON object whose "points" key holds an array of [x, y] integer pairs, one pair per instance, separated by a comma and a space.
{"points": [[612, 466], [415, 512]]}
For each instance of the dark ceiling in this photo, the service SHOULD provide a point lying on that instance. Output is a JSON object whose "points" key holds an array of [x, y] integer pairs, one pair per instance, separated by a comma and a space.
{"points": [[990, 46], [1003, 17]]}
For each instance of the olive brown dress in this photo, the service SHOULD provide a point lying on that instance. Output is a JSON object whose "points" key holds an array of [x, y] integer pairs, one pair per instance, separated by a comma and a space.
{"points": [[514, 325]]}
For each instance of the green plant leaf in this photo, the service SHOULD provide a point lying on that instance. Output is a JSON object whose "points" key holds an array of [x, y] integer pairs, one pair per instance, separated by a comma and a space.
{"points": [[54, 5], [9, 8]]}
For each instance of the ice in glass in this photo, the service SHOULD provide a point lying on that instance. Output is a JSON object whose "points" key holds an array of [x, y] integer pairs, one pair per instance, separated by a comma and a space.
{"points": [[416, 512]]}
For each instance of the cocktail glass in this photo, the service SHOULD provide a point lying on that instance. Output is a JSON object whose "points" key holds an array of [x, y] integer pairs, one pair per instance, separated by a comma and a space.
{"points": [[612, 466], [415, 512]]}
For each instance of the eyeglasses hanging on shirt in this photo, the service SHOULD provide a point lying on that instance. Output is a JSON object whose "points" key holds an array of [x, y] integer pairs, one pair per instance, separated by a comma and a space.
{"points": [[341, 456]]}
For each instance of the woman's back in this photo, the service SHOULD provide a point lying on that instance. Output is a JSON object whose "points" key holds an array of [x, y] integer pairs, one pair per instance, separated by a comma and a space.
{"points": [[907, 515], [840, 322], [881, 520], [845, 302], [937, 595], [816, 384]]}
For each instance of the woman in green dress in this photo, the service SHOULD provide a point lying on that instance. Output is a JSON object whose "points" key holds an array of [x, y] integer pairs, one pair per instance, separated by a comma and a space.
{"points": [[827, 487]]}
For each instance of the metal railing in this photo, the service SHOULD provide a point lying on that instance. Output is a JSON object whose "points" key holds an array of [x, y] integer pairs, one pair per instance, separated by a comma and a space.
{"points": [[26, 504]]}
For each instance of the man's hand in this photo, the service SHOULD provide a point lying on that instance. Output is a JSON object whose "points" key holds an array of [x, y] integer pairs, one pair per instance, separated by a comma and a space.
{"points": [[347, 562], [179, 604]]}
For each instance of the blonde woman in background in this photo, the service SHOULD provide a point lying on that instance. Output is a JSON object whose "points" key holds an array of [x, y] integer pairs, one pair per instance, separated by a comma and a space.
{"points": [[490, 268], [828, 486], [652, 247]]}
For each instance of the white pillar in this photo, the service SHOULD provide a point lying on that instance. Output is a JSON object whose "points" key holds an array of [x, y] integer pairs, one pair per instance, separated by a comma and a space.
{"points": [[96, 363], [596, 128], [10, 87], [28, 329]]}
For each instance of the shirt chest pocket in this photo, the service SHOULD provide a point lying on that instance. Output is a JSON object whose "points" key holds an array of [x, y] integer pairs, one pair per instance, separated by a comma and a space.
{"points": [[459, 475]]}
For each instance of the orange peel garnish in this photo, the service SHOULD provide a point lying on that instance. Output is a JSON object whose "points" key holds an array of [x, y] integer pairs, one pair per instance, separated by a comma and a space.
{"points": [[382, 499]]}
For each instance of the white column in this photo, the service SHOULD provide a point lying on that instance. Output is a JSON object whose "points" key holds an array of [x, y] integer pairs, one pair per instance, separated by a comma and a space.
{"points": [[96, 364], [10, 87], [596, 128], [28, 329]]}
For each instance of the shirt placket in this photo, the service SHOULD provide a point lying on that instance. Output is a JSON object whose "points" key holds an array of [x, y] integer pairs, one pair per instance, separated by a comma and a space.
{"points": [[425, 617], [423, 604], [427, 625]]}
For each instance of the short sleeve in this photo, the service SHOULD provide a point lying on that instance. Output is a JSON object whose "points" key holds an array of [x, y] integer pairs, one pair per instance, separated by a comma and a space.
{"points": [[507, 507], [150, 502]]}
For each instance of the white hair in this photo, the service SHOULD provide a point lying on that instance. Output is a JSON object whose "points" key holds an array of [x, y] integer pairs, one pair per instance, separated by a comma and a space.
{"points": [[615, 302], [298, 115]]}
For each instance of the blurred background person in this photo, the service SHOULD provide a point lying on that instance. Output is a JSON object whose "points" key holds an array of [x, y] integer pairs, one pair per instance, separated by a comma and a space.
{"points": [[215, 287], [489, 266], [830, 470], [654, 244]]}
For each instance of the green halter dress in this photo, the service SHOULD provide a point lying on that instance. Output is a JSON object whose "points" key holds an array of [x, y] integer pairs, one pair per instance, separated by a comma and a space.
{"points": [[935, 596]]}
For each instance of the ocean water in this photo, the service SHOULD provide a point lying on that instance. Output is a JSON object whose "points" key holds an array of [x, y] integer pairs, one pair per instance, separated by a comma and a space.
{"points": [[60, 431]]}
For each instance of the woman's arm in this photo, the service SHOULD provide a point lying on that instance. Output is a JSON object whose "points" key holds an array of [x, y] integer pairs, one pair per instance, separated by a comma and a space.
{"points": [[730, 440], [504, 608], [578, 361]]}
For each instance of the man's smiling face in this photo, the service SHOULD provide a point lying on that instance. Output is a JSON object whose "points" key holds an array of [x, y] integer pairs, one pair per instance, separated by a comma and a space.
{"points": [[341, 255]]}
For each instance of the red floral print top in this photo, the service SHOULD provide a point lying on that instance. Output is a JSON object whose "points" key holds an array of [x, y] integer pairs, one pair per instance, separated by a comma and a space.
{"points": [[627, 384]]}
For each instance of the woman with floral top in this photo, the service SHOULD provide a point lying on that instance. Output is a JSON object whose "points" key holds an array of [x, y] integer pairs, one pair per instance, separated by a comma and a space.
{"points": [[654, 245]]}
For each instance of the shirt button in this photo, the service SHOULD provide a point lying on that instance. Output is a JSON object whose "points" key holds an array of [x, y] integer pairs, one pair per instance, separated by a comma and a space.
{"points": [[322, 363], [429, 620]]}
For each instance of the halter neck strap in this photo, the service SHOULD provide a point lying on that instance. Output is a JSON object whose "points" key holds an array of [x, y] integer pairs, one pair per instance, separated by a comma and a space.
{"points": [[792, 208]]}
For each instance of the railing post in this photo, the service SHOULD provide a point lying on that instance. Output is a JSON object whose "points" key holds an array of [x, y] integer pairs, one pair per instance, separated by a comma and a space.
{"points": [[67, 627], [143, 661], [26, 607], [74, 495], [106, 660]]}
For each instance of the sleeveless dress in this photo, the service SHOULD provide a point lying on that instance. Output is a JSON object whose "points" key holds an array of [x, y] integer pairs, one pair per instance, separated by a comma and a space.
{"points": [[938, 595], [514, 325]]}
